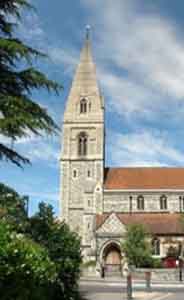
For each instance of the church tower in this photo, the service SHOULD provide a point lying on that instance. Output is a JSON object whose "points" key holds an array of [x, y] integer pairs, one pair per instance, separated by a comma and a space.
{"points": [[82, 161]]}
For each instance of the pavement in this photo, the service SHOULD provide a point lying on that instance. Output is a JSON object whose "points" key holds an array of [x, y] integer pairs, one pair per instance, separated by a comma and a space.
{"points": [[122, 296], [93, 288]]}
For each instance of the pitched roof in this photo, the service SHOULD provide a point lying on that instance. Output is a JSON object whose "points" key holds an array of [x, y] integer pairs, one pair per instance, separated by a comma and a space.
{"points": [[144, 178], [156, 223]]}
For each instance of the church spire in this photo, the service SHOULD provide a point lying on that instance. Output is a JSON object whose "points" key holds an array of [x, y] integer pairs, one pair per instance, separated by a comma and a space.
{"points": [[86, 55], [85, 80], [85, 83]]}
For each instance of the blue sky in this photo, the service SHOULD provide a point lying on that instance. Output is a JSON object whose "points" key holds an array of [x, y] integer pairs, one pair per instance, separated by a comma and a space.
{"points": [[138, 47]]}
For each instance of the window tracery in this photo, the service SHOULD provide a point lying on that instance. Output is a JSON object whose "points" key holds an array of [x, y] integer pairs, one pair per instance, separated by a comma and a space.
{"points": [[83, 106], [82, 144], [140, 202], [163, 202]]}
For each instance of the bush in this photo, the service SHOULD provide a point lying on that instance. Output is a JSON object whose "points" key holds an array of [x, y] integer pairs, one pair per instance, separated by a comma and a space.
{"points": [[157, 263], [64, 250], [41, 244], [26, 271]]}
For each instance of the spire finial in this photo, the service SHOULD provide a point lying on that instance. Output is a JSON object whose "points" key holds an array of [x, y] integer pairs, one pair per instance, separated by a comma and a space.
{"points": [[88, 28]]}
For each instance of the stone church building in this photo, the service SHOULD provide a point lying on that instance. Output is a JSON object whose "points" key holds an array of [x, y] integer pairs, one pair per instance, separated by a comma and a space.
{"points": [[99, 202]]}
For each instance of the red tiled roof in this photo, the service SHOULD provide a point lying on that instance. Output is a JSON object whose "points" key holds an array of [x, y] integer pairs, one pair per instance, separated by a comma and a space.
{"points": [[144, 178], [156, 223]]}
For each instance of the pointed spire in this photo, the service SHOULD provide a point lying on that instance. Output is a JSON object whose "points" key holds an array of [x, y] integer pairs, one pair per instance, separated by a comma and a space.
{"points": [[85, 76], [86, 54], [84, 83]]}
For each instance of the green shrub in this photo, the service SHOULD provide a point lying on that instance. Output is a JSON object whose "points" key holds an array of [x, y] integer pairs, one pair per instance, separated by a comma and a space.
{"points": [[26, 270], [157, 263]]}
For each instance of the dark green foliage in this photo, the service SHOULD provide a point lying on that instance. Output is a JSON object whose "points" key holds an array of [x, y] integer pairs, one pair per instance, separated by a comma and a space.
{"points": [[63, 248], [47, 250], [137, 247], [19, 113], [26, 271]]}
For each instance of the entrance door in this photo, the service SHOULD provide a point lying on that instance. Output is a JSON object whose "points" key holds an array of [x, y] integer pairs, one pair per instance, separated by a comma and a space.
{"points": [[112, 259]]}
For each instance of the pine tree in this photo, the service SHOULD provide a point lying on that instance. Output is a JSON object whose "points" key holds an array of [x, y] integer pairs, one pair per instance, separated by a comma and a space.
{"points": [[19, 113]]}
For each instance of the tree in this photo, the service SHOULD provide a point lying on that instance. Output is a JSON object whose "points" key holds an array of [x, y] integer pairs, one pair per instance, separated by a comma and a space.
{"points": [[136, 246], [26, 271], [13, 208], [33, 242], [19, 113], [63, 247]]}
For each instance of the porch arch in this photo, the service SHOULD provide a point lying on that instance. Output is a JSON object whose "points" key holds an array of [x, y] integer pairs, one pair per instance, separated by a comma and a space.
{"points": [[111, 257], [111, 246]]}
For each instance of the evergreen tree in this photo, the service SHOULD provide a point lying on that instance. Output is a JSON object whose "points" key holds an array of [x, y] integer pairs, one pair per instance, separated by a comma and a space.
{"points": [[19, 113]]}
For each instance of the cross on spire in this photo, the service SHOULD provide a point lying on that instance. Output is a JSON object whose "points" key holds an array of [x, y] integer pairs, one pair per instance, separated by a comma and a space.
{"points": [[88, 29]]}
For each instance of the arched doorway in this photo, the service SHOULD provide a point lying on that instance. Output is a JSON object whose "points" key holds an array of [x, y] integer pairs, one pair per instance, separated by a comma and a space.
{"points": [[112, 259]]}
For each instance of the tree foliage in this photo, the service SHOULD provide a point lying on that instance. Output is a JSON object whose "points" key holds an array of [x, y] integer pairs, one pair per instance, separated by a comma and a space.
{"points": [[19, 113], [63, 247], [13, 208], [35, 244], [26, 271], [136, 246]]}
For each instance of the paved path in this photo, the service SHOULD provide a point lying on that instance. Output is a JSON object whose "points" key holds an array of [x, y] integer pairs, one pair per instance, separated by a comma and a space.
{"points": [[116, 290], [122, 296]]}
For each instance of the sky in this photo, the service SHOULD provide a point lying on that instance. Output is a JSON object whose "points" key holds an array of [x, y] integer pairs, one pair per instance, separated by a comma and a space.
{"points": [[138, 48]]}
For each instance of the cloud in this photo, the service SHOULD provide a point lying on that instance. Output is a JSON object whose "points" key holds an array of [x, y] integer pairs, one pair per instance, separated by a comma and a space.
{"points": [[141, 50], [143, 148], [41, 149], [66, 57], [140, 61], [37, 149]]}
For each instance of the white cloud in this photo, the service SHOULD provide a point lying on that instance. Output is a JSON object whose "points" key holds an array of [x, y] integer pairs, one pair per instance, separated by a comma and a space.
{"points": [[140, 58], [37, 149], [145, 52], [40, 149], [143, 148], [63, 57], [37, 37]]}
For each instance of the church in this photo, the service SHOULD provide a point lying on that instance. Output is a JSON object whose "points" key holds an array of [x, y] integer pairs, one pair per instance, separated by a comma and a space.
{"points": [[98, 202]]}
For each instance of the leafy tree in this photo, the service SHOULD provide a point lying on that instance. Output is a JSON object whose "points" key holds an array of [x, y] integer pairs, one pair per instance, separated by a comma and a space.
{"points": [[63, 247], [26, 271], [47, 238], [13, 208], [19, 113], [136, 246]]}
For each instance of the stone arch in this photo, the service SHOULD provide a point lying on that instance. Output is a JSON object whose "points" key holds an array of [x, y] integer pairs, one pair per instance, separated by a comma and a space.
{"points": [[111, 257], [107, 245]]}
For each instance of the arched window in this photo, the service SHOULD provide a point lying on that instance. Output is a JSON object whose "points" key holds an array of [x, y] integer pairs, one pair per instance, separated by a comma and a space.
{"points": [[82, 144], [83, 106], [74, 173], [181, 203], [156, 246], [140, 202], [163, 202]]}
